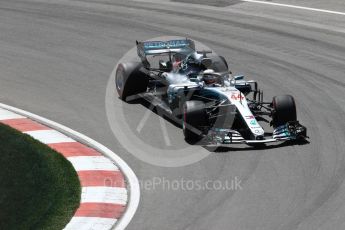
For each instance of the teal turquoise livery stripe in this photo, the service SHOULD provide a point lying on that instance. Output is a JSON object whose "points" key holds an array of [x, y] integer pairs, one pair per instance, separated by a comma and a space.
{"points": [[150, 45]]}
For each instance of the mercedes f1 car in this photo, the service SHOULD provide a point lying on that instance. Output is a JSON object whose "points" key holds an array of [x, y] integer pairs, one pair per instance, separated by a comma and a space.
{"points": [[197, 89]]}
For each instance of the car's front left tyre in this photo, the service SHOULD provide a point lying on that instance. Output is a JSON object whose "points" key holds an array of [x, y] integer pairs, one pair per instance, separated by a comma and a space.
{"points": [[284, 110]]}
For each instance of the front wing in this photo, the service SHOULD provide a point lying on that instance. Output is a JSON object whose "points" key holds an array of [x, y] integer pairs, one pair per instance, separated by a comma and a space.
{"points": [[223, 137]]}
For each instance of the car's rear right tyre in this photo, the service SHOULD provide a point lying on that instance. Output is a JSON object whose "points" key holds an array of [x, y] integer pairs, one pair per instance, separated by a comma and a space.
{"points": [[129, 80]]}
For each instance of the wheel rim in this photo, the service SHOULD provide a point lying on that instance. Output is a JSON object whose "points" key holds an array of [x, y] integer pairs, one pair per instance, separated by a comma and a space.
{"points": [[119, 80]]}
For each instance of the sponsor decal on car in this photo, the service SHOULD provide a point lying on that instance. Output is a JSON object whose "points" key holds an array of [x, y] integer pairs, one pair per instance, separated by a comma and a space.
{"points": [[237, 96], [167, 44]]}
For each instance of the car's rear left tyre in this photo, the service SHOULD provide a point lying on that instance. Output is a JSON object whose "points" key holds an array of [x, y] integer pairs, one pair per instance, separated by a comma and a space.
{"points": [[194, 120], [219, 64], [284, 110], [129, 80], [225, 62]]}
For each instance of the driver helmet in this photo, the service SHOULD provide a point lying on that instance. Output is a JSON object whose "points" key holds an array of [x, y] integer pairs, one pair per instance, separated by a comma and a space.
{"points": [[209, 77]]}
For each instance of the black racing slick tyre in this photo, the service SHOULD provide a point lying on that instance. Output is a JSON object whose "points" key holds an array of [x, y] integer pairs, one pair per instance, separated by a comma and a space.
{"points": [[219, 64], [129, 80], [284, 110], [194, 120], [225, 62]]}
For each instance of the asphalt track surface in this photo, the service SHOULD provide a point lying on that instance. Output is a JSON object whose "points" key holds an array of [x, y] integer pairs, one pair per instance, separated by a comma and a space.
{"points": [[56, 58]]}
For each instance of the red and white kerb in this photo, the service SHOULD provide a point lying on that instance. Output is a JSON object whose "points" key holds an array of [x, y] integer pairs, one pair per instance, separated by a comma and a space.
{"points": [[104, 192]]}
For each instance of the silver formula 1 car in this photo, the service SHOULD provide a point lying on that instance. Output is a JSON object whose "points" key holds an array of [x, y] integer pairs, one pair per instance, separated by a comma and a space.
{"points": [[197, 89]]}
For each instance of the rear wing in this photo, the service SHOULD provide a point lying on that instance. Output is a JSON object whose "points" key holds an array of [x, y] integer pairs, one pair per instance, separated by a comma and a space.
{"points": [[156, 47]]}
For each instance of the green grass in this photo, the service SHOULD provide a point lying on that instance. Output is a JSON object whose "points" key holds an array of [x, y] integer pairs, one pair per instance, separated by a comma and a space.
{"points": [[39, 188]]}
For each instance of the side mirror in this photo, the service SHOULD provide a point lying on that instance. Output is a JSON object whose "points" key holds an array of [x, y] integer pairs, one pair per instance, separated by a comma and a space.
{"points": [[206, 62], [238, 77]]}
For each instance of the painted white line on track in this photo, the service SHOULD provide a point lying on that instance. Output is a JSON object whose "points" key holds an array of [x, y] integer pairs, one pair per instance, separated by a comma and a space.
{"points": [[296, 7], [111, 195], [81, 163], [49, 136], [87, 223]]}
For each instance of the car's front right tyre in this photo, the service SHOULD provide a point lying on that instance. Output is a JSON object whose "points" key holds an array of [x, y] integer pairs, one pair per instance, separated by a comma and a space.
{"points": [[194, 120]]}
